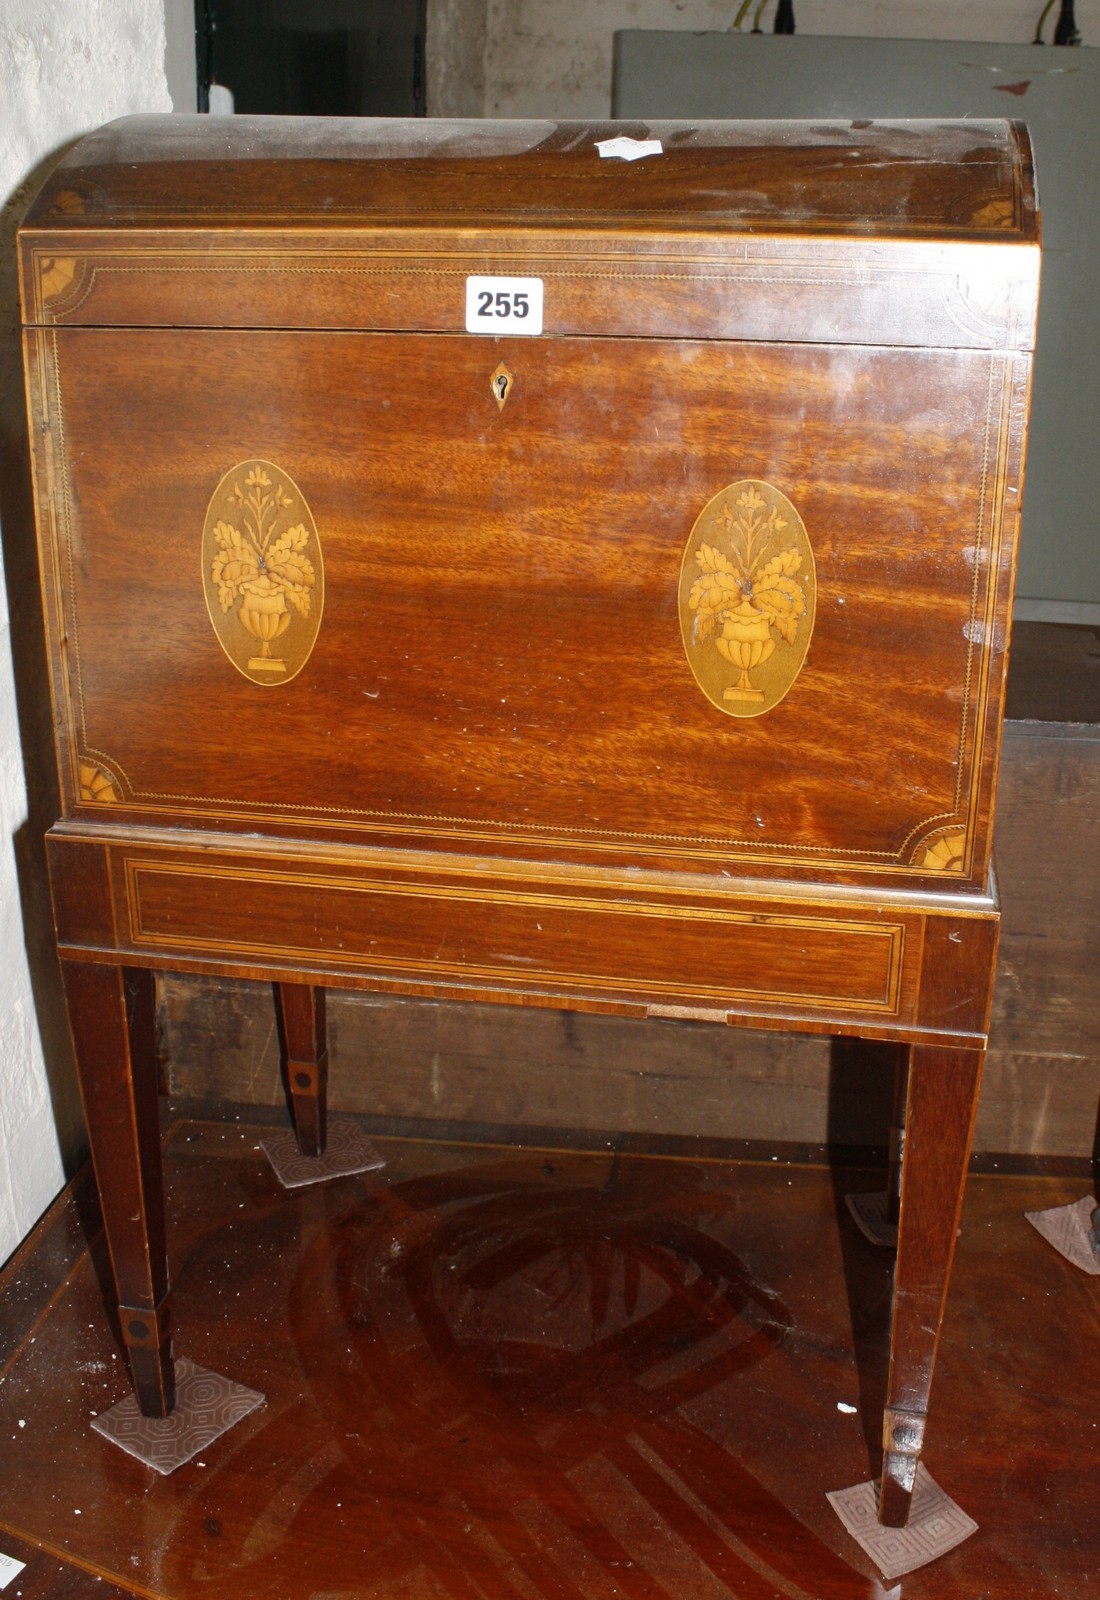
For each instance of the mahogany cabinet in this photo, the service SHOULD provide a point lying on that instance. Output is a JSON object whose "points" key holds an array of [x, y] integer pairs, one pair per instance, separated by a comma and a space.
{"points": [[481, 564]]}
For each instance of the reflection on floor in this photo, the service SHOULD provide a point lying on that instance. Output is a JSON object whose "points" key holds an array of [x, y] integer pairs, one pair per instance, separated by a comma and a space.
{"points": [[536, 1373]]}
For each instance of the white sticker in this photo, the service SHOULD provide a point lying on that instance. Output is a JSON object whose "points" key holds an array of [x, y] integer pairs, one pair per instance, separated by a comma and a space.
{"points": [[630, 149], [504, 305], [9, 1569]]}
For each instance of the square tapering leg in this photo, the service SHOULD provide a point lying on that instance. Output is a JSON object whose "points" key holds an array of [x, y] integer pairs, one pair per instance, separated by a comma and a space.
{"points": [[302, 1017], [941, 1102], [111, 1015]]}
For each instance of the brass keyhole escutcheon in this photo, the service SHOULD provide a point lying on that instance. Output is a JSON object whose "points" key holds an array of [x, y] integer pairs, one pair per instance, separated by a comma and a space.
{"points": [[501, 384]]}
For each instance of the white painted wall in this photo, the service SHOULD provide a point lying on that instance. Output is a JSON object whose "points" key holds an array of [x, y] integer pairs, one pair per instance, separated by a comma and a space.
{"points": [[65, 67], [552, 58]]}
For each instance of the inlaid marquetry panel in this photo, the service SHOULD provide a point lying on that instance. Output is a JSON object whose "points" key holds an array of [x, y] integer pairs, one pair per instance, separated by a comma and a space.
{"points": [[495, 574], [262, 572], [748, 595], [499, 934]]}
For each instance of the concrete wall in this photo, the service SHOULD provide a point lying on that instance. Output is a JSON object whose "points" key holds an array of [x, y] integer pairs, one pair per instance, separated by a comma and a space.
{"points": [[456, 57], [179, 53], [65, 66], [552, 58]]}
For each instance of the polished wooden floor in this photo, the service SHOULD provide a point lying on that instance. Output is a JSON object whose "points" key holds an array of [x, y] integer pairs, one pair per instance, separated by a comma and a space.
{"points": [[503, 1372]]}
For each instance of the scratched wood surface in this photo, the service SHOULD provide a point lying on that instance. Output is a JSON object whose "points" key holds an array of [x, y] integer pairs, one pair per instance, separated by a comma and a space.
{"points": [[544, 1373], [955, 180], [501, 1065]]}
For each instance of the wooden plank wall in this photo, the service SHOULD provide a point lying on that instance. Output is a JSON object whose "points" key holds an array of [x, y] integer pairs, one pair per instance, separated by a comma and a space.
{"points": [[1043, 1071], [506, 1066]]}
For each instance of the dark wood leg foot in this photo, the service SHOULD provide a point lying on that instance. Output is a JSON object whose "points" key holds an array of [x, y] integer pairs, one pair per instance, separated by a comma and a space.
{"points": [[902, 1442], [148, 1339], [302, 1014], [111, 1014], [941, 1101]]}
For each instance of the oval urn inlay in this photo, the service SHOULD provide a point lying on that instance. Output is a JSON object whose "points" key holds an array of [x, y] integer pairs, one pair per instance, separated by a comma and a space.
{"points": [[748, 593], [262, 572]]}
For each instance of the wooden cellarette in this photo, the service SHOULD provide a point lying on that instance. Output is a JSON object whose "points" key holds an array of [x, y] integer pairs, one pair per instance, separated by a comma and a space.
{"points": [[560, 564]]}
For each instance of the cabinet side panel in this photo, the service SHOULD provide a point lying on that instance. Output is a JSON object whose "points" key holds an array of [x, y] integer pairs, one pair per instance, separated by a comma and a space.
{"points": [[53, 526]]}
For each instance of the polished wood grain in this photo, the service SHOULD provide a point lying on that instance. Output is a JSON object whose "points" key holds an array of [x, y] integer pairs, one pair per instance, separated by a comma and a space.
{"points": [[301, 1009], [964, 180], [808, 212], [941, 1098], [1040, 1084], [427, 666], [111, 1012], [369, 672], [916, 968], [544, 1372]]}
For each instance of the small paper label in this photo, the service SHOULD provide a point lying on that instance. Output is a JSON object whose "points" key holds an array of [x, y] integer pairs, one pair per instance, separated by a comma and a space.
{"points": [[504, 305], [630, 149], [9, 1569]]}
